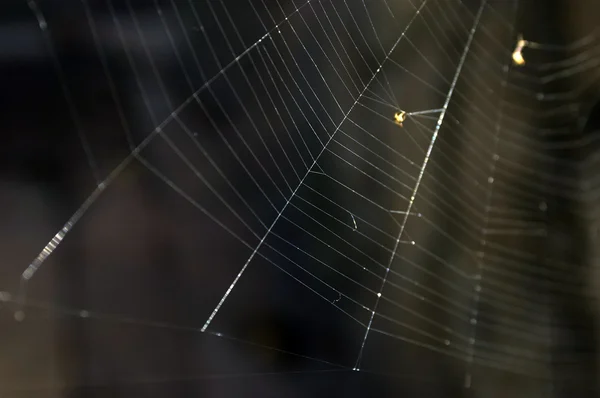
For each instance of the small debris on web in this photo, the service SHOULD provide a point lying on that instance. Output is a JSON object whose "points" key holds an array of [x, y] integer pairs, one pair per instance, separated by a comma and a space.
{"points": [[354, 221], [517, 55], [399, 118]]}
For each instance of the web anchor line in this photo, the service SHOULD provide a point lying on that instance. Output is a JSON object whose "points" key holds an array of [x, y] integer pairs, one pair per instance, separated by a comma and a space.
{"points": [[418, 183], [310, 169], [425, 112], [405, 212]]}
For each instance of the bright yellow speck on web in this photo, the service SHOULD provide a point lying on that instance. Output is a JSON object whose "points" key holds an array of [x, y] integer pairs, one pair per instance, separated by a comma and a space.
{"points": [[400, 117], [517, 55]]}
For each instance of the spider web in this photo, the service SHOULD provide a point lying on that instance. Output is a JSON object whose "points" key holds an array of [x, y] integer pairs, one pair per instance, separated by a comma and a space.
{"points": [[253, 198]]}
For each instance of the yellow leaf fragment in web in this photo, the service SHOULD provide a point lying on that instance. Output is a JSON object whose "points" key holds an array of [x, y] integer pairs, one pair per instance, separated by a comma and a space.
{"points": [[400, 117], [517, 55]]}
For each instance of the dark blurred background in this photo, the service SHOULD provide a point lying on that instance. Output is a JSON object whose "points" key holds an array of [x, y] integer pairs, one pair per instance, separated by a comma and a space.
{"points": [[192, 122]]}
